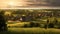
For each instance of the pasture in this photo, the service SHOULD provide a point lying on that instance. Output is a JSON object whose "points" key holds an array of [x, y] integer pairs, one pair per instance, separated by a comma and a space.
{"points": [[31, 31]]}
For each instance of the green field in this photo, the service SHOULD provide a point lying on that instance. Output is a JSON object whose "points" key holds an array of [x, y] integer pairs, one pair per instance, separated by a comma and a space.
{"points": [[31, 31]]}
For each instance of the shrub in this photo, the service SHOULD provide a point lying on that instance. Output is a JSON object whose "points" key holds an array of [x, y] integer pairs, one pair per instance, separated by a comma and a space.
{"points": [[32, 24], [25, 25], [36, 24], [50, 25]]}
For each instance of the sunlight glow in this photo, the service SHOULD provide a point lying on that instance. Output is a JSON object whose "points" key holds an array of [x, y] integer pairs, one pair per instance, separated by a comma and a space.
{"points": [[12, 3], [16, 3]]}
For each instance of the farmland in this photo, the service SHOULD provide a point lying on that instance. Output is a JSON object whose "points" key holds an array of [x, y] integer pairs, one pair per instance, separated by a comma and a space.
{"points": [[32, 31], [32, 21]]}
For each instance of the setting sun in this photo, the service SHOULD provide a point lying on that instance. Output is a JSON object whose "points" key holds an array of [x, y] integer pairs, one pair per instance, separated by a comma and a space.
{"points": [[11, 3]]}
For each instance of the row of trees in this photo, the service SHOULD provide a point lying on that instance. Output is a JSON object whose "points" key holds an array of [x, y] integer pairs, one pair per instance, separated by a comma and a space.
{"points": [[33, 14], [48, 24]]}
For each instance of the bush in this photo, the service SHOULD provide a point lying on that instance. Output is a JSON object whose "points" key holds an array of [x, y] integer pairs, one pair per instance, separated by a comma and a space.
{"points": [[50, 25], [25, 25], [32, 24], [36, 24]]}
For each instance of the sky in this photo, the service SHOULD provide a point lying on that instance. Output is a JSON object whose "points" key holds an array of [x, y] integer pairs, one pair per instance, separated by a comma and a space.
{"points": [[29, 3]]}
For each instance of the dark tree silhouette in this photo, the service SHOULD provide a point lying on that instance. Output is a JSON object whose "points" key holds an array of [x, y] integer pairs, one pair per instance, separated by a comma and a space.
{"points": [[46, 25], [3, 25], [51, 25], [31, 24], [55, 21]]}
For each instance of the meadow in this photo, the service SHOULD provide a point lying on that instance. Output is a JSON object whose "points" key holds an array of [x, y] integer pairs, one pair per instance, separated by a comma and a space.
{"points": [[31, 31]]}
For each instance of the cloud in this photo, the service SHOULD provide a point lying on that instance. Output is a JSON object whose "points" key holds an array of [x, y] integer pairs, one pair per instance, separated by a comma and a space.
{"points": [[31, 3], [44, 3]]}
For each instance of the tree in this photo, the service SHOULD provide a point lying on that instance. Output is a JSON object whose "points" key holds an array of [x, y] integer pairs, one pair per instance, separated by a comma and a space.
{"points": [[3, 25], [46, 25]]}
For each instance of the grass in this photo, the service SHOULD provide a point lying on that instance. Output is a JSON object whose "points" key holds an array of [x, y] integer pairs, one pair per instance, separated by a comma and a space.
{"points": [[35, 30], [31, 31]]}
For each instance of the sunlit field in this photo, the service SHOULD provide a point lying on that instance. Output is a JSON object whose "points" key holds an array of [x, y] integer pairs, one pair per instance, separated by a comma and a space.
{"points": [[31, 21], [35, 30], [17, 28], [32, 31]]}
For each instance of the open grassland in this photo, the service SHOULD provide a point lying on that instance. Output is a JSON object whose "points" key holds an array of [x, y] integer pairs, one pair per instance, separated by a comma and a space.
{"points": [[31, 31]]}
